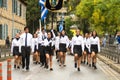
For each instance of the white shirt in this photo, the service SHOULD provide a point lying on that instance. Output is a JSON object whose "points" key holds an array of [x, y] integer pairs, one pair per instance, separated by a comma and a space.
{"points": [[29, 40], [78, 41], [15, 42], [41, 38], [57, 42], [47, 43], [95, 41], [87, 43], [64, 40], [34, 43]]}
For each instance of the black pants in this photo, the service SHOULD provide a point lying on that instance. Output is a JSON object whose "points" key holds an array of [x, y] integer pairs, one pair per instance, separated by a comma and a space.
{"points": [[42, 54], [25, 57]]}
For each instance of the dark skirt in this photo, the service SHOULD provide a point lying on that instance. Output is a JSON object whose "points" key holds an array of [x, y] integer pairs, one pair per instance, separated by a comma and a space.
{"points": [[49, 50], [77, 49], [35, 49], [94, 48], [16, 51], [62, 48], [86, 49], [41, 49]]}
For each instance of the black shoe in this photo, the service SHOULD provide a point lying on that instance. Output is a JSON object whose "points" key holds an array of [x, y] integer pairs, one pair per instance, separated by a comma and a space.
{"points": [[27, 69], [18, 67], [36, 62], [75, 65], [89, 65], [81, 62], [51, 69], [58, 60], [64, 65], [95, 67], [78, 69], [46, 66], [15, 66], [92, 64]]}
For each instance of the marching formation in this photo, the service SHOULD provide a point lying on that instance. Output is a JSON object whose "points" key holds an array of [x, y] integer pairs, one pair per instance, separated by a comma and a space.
{"points": [[44, 44]]}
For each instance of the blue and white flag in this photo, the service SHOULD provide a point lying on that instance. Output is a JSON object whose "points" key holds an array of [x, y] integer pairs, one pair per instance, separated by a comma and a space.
{"points": [[44, 10], [60, 27]]}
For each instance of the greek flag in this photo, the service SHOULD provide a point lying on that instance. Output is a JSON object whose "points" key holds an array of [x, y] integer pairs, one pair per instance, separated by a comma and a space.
{"points": [[61, 27], [44, 10]]}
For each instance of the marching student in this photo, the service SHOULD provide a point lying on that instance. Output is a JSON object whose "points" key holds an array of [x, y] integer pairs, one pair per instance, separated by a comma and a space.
{"points": [[63, 46], [26, 47], [78, 48], [15, 50], [35, 47], [94, 47], [57, 46], [86, 53], [48, 43], [41, 37]]}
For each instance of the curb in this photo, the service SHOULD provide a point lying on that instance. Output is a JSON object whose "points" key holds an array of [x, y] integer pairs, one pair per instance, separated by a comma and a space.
{"points": [[109, 62]]}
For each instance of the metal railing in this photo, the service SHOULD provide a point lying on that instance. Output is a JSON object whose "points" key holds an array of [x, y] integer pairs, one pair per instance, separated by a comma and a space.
{"points": [[112, 52], [5, 53]]}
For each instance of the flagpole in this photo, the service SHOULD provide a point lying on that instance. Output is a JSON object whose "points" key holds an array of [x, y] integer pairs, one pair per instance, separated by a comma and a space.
{"points": [[40, 25], [45, 23]]}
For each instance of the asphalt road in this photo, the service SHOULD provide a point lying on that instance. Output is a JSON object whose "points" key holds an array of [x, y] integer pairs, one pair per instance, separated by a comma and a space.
{"points": [[104, 72]]}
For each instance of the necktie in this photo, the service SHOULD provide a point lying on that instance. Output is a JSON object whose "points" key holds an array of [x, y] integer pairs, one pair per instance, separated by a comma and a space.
{"points": [[26, 40]]}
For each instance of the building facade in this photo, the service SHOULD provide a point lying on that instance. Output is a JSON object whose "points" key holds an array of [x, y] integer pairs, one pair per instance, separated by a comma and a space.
{"points": [[12, 18]]}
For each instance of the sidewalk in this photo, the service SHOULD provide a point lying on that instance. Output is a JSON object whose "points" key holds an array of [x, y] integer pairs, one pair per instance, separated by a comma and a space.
{"points": [[109, 62]]}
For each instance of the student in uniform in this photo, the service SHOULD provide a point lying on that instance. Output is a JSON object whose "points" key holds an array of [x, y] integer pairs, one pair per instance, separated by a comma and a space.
{"points": [[63, 46], [94, 47], [35, 47], [86, 53], [26, 47], [48, 43], [78, 48], [41, 37], [57, 46], [15, 50]]}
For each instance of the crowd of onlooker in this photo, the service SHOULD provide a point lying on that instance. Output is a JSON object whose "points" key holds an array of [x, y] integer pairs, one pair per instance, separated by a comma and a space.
{"points": [[111, 39]]}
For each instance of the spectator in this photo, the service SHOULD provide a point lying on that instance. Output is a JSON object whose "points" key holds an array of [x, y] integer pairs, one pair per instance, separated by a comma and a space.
{"points": [[118, 39], [104, 41], [111, 39], [7, 42]]}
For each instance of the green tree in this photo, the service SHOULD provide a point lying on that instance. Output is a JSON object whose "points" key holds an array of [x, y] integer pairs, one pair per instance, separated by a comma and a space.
{"points": [[33, 15], [102, 15], [68, 23]]}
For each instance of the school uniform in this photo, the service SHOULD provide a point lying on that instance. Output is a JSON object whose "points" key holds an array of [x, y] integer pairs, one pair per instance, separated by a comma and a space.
{"points": [[15, 46], [41, 48], [95, 44], [78, 45], [26, 47], [63, 43], [48, 43], [87, 45], [35, 44]]}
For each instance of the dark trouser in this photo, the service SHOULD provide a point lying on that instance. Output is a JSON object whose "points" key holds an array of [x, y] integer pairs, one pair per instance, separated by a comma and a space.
{"points": [[42, 54], [25, 57]]}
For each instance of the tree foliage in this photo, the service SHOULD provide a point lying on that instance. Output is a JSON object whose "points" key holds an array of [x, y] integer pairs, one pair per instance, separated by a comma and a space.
{"points": [[33, 15], [102, 15]]}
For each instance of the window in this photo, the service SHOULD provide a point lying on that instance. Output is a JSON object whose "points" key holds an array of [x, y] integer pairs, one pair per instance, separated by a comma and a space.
{"points": [[3, 4], [14, 6], [20, 10], [0, 31], [3, 31]]}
